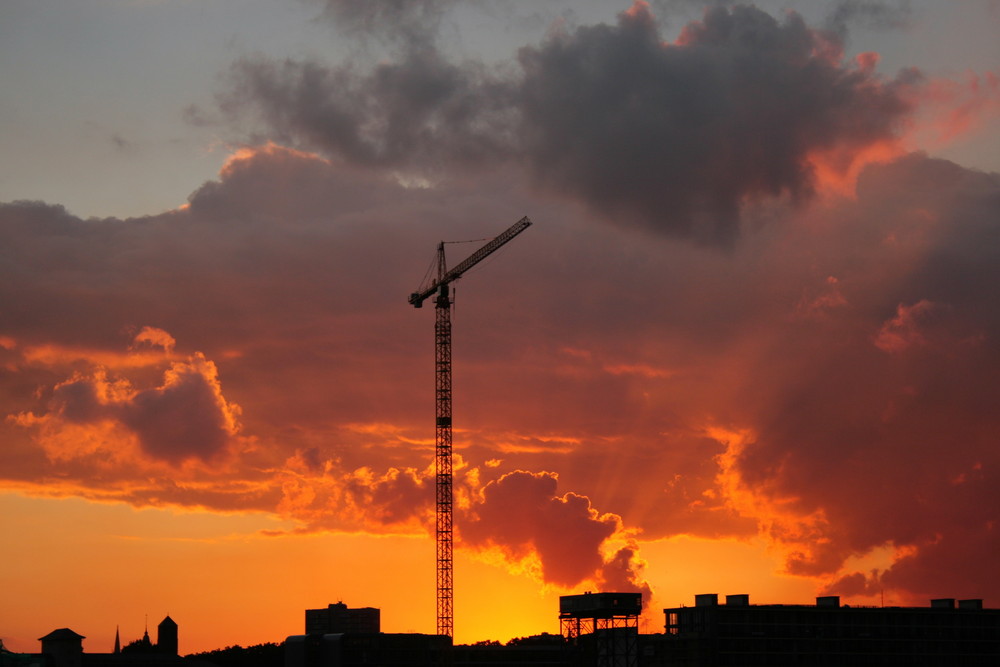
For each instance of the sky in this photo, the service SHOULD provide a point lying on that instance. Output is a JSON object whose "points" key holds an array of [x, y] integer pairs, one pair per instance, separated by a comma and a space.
{"points": [[749, 344]]}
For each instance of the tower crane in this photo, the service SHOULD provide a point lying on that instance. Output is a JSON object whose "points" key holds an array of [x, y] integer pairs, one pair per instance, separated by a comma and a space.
{"points": [[442, 437]]}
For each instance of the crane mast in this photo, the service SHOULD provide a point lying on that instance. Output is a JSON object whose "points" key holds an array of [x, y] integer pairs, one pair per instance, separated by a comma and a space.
{"points": [[444, 495]]}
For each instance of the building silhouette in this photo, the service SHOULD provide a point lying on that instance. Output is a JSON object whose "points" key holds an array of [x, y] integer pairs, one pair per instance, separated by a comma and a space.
{"points": [[338, 635], [738, 633], [601, 630], [166, 636], [64, 648], [165, 646], [338, 619]]}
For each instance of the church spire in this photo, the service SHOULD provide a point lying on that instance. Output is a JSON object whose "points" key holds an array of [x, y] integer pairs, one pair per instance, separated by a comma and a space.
{"points": [[118, 642]]}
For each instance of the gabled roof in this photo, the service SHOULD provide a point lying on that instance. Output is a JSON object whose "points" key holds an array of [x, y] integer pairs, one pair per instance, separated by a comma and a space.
{"points": [[63, 634]]}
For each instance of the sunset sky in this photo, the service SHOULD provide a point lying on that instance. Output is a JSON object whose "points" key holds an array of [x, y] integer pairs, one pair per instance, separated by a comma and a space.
{"points": [[750, 344]]}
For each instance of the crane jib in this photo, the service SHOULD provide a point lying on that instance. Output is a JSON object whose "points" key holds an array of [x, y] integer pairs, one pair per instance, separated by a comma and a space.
{"points": [[418, 298]]}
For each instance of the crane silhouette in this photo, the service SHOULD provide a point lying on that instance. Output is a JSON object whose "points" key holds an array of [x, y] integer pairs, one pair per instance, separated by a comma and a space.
{"points": [[444, 514]]}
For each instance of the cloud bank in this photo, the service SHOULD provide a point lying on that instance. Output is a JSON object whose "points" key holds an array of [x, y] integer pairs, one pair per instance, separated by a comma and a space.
{"points": [[675, 137]]}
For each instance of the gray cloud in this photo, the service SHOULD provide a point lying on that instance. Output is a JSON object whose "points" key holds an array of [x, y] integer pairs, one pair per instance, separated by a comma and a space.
{"points": [[868, 14], [422, 113], [675, 138], [679, 137], [412, 24]]}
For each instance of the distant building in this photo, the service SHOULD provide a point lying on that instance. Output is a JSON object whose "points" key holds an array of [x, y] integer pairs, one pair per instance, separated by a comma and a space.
{"points": [[166, 641], [144, 646], [166, 636], [602, 628], [338, 619], [740, 634], [64, 648]]}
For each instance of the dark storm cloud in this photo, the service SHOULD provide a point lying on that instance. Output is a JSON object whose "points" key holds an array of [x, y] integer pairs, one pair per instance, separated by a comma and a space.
{"points": [[679, 137], [673, 137]]}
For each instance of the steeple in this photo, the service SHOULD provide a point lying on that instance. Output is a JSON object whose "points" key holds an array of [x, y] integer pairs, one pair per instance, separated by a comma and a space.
{"points": [[118, 642]]}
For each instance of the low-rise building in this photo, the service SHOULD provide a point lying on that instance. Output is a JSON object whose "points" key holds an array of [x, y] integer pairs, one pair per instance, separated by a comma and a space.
{"points": [[338, 618], [738, 633]]}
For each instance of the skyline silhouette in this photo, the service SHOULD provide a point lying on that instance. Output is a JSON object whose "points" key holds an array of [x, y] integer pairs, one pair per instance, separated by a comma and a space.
{"points": [[602, 629]]}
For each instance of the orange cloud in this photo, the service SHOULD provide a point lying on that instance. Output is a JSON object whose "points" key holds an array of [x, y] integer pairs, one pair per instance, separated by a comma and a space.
{"points": [[801, 538], [53, 355], [521, 515], [821, 301], [836, 169], [155, 337], [904, 330], [97, 414], [954, 109], [320, 495], [642, 370], [925, 324], [386, 434], [243, 157]]}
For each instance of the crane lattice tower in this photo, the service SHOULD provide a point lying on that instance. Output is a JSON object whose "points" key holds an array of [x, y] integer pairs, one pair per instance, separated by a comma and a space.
{"points": [[444, 495]]}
